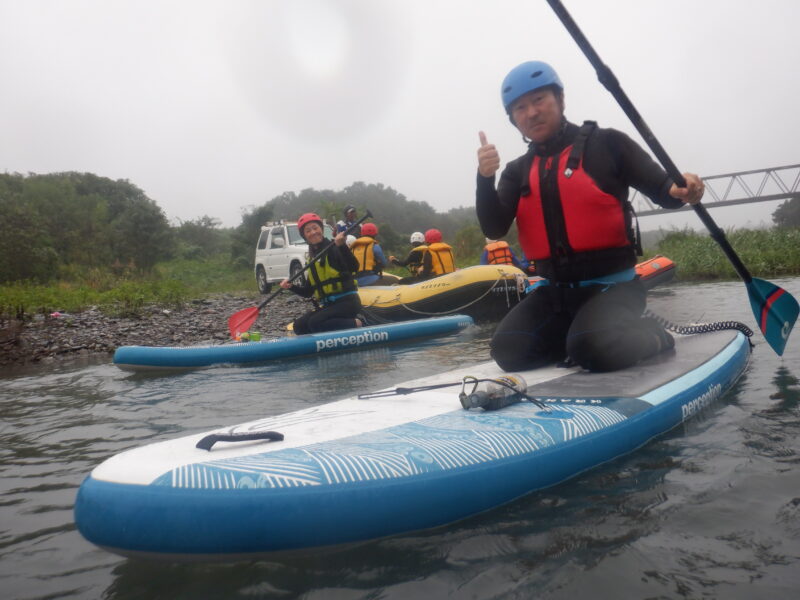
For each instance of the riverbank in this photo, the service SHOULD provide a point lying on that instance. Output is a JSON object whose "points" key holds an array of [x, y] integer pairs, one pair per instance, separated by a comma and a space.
{"points": [[93, 332]]}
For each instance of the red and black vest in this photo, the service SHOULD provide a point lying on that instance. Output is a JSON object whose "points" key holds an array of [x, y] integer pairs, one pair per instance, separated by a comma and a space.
{"points": [[566, 222]]}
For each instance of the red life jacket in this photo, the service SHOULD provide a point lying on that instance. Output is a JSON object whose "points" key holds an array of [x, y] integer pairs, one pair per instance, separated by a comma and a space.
{"points": [[583, 218], [498, 253]]}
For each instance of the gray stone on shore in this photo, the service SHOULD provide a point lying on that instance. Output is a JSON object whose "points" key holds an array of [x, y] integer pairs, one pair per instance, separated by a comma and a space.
{"points": [[202, 321]]}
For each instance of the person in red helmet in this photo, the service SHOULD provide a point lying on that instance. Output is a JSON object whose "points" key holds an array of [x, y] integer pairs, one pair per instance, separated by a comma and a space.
{"points": [[330, 282], [368, 252], [569, 197], [438, 258]]}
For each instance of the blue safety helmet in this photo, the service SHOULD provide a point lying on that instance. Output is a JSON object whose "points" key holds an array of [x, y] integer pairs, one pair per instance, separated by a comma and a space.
{"points": [[525, 78]]}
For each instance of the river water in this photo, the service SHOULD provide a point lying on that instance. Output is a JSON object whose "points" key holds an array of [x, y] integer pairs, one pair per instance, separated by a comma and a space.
{"points": [[711, 510]]}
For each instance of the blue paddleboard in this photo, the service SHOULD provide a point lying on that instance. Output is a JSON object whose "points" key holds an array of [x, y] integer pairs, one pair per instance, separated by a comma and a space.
{"points": [[141, 358], [358, 469]]}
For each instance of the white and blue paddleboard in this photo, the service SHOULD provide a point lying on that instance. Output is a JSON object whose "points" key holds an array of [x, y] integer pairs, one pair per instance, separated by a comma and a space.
{"points": [[357, 469], [141, 358]]}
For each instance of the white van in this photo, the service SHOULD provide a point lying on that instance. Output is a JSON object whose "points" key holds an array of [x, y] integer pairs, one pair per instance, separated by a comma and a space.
{"points": [[280, 253]]}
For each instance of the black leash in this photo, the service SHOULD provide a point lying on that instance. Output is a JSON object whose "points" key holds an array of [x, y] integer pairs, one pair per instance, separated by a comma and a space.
{"points": [[464, 395], [699, 327]]}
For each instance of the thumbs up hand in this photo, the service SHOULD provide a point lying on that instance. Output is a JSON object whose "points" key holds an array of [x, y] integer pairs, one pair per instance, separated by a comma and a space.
{"points": [[488, 158]]}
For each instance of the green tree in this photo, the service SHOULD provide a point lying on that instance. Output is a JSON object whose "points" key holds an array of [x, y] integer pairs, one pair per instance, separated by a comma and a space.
{"points": [[245, 236], [26, 251], [392, 242], [202, 237], [141, 234], [468, 244], [787, 214]]}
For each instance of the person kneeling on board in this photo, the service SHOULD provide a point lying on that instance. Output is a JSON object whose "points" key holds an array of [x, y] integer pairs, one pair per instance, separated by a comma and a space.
{"points": [[329, 281], [369, 254], [569, 196]]}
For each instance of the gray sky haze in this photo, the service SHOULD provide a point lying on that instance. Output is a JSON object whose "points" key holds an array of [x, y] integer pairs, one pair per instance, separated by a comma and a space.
{"points": [[212, 106]]}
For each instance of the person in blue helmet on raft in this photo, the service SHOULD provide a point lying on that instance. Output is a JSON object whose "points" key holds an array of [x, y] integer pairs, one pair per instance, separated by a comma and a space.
{"points": [[329, 281], [569, 196]]}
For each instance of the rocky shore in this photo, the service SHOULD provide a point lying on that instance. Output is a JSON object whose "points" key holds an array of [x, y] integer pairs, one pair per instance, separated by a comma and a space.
{"points": [[202, 321]]}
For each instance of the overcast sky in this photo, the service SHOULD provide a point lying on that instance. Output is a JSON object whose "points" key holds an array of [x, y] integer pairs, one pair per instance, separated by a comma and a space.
{"points": [[212, 107]]}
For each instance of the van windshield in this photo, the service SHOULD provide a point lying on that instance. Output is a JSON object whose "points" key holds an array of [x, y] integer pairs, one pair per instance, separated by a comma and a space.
{"points": [[296, 239]]}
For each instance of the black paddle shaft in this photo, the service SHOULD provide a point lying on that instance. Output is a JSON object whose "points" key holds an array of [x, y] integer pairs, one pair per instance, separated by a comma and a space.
{"points": [[322, 253], [609, 80]]}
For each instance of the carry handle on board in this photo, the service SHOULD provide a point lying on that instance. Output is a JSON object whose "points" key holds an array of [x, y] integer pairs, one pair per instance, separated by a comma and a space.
{"points": [[774, 308], [208, 441]]}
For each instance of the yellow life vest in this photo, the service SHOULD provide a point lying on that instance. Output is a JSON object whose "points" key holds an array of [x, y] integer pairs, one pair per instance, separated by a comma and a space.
{"points": [[441, 258], [327, 281], [362, 249]]}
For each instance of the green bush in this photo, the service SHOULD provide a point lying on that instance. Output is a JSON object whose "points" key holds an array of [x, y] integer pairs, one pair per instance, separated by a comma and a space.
{"points": [[765, 253]]}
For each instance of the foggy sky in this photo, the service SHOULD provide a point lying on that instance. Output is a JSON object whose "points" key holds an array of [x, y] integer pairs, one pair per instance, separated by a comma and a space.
{"points": [[215, 106]]}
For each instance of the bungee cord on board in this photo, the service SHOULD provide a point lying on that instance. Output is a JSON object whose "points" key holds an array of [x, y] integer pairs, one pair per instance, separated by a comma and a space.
{"points": [[699, 327]]}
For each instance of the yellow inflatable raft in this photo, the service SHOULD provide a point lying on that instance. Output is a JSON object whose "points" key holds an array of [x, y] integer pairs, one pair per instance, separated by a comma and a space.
{"points": [[484, 292]]}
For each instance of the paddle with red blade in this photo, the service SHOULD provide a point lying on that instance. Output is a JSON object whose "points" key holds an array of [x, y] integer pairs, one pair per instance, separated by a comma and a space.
{"points": [[241, 321], [774, 308]]}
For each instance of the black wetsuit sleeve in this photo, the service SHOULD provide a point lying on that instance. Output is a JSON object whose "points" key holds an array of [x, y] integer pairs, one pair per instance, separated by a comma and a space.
{"points": [[413, 256], [497, 208], [342, 259], [633, 167], [427, 264], [305, 290]]}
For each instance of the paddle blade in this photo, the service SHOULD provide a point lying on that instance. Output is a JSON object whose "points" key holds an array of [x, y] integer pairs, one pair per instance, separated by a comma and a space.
{"points": [[775, 310], [242, 321]]}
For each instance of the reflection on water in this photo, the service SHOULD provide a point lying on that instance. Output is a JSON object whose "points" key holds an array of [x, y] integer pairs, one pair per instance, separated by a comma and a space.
{"points": [[711, 510]]}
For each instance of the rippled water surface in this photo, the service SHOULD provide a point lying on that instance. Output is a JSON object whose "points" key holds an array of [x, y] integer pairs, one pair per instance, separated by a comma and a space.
{"points": [[711, 510]]}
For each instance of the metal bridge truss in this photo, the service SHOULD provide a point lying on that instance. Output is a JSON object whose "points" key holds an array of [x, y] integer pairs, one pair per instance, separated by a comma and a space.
{"points": [[735, 188]]}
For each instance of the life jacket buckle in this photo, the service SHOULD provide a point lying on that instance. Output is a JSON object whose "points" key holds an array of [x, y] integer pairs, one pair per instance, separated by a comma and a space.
{"points": [[568, 172]]}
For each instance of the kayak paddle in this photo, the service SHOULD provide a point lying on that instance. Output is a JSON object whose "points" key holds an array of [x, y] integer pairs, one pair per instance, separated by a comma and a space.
{"points": [[774, 308], [241, 321]]}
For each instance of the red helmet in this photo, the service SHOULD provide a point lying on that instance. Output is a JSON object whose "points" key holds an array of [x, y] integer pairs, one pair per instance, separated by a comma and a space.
{"points": [[369, 229], [432, 236], [306, 219]]}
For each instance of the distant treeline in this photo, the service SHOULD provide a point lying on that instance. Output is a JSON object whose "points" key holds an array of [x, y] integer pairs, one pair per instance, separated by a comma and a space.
{"points": [[63, 225], [396, 217]]}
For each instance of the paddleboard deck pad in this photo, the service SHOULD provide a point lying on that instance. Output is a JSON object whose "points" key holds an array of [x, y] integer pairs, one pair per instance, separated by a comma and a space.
{"points": [[144, 358], [357, 469]]}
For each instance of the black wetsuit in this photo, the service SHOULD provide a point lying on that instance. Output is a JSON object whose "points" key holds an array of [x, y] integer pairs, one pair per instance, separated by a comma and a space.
{"points": [[413, 261], [598, 326], [339, 311]]}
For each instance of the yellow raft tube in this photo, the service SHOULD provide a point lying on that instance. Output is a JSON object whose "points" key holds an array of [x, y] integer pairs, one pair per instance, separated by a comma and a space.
{"points": [[484, 292]]}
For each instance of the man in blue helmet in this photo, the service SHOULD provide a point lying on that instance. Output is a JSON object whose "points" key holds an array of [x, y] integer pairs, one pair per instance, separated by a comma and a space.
{"points": [[569, 196]]}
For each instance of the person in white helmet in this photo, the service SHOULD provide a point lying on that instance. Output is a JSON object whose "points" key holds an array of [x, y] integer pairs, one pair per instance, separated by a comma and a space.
{"points": [[414, 259]]}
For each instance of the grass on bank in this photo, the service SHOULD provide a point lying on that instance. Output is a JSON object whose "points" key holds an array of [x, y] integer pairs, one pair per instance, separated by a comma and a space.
{"points": [[766, 253], [170, 284]]}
